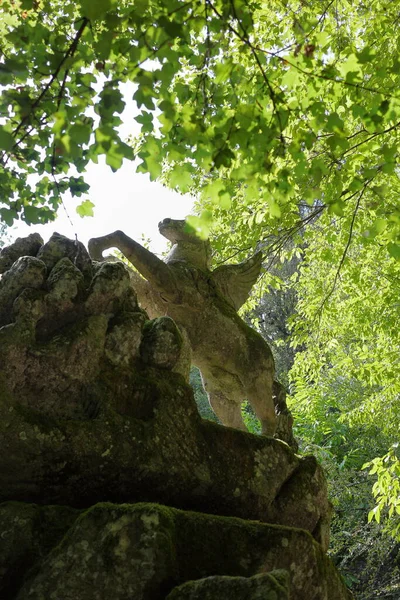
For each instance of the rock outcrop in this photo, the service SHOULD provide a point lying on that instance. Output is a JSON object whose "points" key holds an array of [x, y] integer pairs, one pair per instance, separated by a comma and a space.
{"points": [[94, 410], [147, 551]]}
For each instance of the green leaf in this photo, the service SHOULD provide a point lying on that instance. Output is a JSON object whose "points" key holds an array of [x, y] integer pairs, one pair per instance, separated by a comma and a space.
{"points": [[223, 158], [180, 178], [96, 10], [224, 200], [201, 224], [350, 65], [365, 55], [172, 28], [394, 250], [114, 157], [335, 123], [213, 190], [337, 208], [33, 215], [380, 225], [85, 209], [80, 133], [223, 71], [6, 139], [8, 215]]}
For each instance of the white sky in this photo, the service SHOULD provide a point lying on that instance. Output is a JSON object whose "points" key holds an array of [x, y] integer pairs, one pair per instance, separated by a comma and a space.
{"points": [[123, 200]]}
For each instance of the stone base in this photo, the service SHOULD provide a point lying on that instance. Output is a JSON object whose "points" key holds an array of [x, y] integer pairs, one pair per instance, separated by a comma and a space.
{"points": [[151, 552]]}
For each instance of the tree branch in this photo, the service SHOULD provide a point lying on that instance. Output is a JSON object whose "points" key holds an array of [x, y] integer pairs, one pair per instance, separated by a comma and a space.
{"points": [[69, 53], [343, 258]]}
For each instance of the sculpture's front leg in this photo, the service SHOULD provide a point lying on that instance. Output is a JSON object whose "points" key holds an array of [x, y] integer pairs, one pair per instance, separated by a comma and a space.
{"points": [[149, 265]]}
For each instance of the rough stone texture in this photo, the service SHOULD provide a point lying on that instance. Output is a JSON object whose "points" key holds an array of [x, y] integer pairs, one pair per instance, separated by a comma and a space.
{"points": [[266, 586], [162, 343], [26, 272], [110, 290], [27, 246], [234, 360], [284, 418], [93, 408], [27, 533], [59, 247], [149, 552]]}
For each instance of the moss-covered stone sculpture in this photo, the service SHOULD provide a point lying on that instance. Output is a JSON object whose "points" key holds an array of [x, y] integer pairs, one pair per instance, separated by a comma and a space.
{"points": [[234, 360], [94, 408]]}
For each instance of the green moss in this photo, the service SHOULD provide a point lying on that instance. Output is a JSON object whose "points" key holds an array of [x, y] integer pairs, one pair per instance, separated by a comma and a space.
{"points": [[29, 532], [5, 395], [231, 543], [183, 545], [45, 423]]}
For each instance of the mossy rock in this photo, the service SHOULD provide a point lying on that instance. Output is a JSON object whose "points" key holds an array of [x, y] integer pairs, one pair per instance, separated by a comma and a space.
{"points": [[146, 551]]}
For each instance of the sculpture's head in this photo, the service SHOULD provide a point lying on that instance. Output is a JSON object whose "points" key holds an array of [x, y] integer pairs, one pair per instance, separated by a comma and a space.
{"points": [[177, 231], [187, 247]]}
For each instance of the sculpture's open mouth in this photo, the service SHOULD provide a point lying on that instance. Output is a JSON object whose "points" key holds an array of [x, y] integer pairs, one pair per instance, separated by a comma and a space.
{"points": [[172, 229], [164, 222]]}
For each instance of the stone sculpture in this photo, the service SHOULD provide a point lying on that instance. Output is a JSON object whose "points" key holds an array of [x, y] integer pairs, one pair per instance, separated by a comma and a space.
{"points": [[97, 424], [234, 360]]}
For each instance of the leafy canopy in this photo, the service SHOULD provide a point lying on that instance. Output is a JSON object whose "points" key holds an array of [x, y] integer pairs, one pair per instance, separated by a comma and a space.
{"points": [[269, 105]]}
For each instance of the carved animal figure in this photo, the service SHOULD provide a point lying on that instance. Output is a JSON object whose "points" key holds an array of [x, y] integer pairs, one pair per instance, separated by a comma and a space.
{"points": [[234, 360]]}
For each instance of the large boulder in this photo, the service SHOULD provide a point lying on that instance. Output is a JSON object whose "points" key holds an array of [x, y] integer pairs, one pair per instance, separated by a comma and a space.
{"points": [[59, 247], [148, 552], [27, 246], [275, 585]]}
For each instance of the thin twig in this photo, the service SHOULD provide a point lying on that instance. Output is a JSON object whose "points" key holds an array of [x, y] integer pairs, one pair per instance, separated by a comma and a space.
{"points": [[252, 48], [343, 258]]}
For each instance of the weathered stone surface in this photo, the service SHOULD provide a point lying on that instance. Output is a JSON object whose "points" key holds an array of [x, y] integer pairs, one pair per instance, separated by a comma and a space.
{"points": [[27, 246], [266, 586], [124, 337], [162, 343], [148, 551], [284, 418], [64, 283], [235, 361], [27, 533], [26, 272], [140, 438], [59, 247], [110, 291]]}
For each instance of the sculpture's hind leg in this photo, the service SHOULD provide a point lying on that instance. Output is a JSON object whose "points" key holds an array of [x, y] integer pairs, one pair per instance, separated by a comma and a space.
{"points": [[224, 399], [259, 395]]}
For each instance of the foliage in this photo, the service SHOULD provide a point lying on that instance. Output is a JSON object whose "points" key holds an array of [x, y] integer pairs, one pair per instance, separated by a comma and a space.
{"points": [[200, 396], [351, 358], [346, 370], [367, 557], [250, 419], [387, 489], [271, 314]]}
